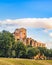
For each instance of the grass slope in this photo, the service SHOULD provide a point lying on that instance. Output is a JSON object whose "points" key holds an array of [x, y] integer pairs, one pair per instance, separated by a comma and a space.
{"points": [[15, 61]]}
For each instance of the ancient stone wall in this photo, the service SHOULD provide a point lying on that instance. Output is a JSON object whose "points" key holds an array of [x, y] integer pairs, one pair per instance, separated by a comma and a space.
{"points": [[20, 34]]}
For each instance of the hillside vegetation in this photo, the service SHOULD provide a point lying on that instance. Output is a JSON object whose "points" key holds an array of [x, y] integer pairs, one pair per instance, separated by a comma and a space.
{"points": [[16, 49]]}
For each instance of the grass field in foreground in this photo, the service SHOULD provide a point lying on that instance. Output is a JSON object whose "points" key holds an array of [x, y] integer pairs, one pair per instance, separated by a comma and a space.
{"points": [[15, 61]]}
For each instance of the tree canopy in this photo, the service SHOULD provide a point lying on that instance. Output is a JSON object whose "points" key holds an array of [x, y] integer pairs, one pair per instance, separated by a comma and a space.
{"points": [[10, 48]]}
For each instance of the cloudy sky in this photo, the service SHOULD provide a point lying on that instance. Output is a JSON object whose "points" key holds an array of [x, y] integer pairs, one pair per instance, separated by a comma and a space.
{"points": [[34, 15]]}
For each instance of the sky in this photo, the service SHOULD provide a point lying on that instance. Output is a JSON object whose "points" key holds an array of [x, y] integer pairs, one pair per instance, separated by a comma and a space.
{"points": [[34, 15]]}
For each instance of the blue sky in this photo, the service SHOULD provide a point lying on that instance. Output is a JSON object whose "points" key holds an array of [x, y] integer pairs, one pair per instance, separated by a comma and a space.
{"points": [[10, 10], [13, 9]]}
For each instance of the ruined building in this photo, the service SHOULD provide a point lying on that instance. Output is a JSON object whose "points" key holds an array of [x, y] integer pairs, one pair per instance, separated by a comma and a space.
{"points": [[20, 34]]}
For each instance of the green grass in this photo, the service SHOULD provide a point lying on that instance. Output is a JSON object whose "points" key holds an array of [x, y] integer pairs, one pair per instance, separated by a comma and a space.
{"points": [[15, 61]]}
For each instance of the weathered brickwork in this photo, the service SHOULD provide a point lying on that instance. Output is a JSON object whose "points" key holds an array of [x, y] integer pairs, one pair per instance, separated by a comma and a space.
{"points": [[20, 34]]}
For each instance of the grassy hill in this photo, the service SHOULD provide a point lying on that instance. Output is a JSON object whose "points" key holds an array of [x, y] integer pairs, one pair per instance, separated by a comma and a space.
{"points": [[15, 61]]}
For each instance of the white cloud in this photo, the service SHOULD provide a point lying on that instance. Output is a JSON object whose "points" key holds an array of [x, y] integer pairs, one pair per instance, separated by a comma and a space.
{"points": [[29, 22], [45, 30], [11, 25], [50, 34], [49, 45]]}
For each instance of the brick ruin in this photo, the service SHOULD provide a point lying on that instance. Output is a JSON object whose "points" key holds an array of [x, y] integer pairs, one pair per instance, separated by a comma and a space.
{"points": [[20, 34]]}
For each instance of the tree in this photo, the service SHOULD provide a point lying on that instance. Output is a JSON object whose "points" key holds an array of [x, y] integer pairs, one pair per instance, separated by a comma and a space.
{"points": [[6, 43], [20, 49], [49, 53], [45, 51], [31, 52], [42, 50]]}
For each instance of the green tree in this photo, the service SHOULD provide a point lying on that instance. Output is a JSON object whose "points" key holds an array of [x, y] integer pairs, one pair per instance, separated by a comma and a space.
{"points": [[49, 53], [20, 49], [31, 52], [6, 43]]}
